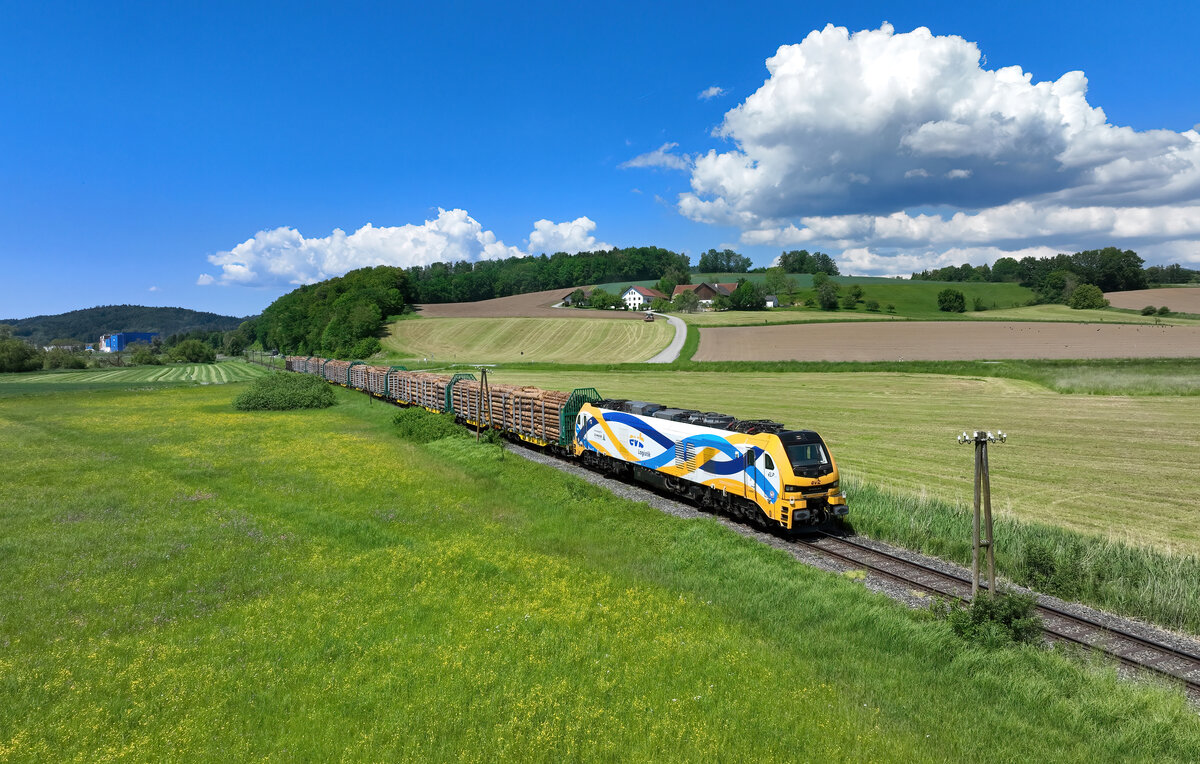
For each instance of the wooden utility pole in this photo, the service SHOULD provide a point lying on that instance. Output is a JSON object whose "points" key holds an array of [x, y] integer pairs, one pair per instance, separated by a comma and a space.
{"points": [[983, 501], [484, 394]]}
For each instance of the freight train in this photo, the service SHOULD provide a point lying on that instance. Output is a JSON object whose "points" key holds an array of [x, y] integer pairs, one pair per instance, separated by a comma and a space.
{"points": [[757, 470]]}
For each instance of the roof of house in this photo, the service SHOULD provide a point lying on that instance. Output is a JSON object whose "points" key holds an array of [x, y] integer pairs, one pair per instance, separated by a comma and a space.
{"points": [[645, 291], [725, 289]]}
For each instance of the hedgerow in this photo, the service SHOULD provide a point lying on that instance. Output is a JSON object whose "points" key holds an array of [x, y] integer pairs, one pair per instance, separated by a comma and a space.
{"points": [[284, 392]]}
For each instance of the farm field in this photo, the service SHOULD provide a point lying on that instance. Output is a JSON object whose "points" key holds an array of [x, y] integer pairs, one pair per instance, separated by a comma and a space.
{"points": [[945, 341], [192, 373], [304, 582], [1182, 299], [1070, 315], [494, 340], [1121, 467]]}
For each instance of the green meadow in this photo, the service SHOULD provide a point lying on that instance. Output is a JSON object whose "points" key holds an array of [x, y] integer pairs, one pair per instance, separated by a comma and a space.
{"points": [[184, 581], [129, 377]]}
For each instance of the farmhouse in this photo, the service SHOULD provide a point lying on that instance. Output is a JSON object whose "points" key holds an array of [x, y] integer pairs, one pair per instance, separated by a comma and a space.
{"points": [[635, 297], [705, 292], [567, 301]]}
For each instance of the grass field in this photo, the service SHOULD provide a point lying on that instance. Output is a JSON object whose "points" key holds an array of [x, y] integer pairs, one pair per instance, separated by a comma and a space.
{"points": [[1063, 313], [303, 586], [1120, 467], [132, 376], [495, 340]]}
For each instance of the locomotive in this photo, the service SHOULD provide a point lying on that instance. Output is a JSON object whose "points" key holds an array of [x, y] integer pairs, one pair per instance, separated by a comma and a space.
{"points": [[757, 470]]}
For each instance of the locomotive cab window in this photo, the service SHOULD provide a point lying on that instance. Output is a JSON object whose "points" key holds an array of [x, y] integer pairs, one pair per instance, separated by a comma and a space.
{"points": [[806, 455], [768, 463]]}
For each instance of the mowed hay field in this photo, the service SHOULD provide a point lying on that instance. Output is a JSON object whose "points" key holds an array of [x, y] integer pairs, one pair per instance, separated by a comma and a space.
{"points": [[1122, 467], [531, 305], [945, 341], [305, 586], [201, 373], [556, 340], [1182, 299]]}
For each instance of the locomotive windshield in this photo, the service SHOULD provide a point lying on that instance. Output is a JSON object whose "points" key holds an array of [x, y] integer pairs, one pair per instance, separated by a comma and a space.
{"points": [[806, 452]]}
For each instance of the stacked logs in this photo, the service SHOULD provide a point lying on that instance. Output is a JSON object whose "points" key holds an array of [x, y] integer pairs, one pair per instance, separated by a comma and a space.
{"points": [[335, 371], [418, 388], [528, 411], [312, 365], [374, 378], [296, 363]]}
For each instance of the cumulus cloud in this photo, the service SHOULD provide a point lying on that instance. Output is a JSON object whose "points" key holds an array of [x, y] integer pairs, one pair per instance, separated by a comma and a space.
{"points": [[576, 236], [284, 256], [153, 289], [661, 157], [711, 92], [854, 138]]}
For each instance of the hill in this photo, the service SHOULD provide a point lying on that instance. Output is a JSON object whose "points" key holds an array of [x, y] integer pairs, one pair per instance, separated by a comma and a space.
{"points": [[88, 324]]}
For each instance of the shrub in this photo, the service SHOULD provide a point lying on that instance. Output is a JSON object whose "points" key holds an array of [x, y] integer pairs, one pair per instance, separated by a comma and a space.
{"points": [[1164, 310], [849, 302], [980, 304], [366, 347], [952, 301], [873, 306], [421, 426], [997, 620], [890, 308], [284, 392], [193, 351], [827, 296], [1087, 297], [1149, 310]]}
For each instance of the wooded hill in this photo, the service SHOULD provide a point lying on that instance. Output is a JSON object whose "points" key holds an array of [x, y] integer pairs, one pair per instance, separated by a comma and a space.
{"points": [[88, 324]]}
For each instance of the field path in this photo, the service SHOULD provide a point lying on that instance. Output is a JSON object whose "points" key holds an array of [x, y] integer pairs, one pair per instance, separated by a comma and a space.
{"points": [[945, 341], [671, 352]]}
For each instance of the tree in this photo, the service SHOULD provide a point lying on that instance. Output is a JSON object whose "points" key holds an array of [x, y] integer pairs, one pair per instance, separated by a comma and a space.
{"points": [[1087, 297], [848, 301], [722, 302], [855, 291], [827, 295], [800, 261], [778, 282], [15, 355], [193, 351], [951, 301], [603, 300], [725, 261], [660, 305], [142, 354], [686, 301], [747, 296], [1006, 269]]}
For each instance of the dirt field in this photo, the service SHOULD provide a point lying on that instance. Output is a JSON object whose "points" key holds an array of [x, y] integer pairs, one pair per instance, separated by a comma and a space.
{"points": [[944, 341], [532, 305], [1184, 299]]}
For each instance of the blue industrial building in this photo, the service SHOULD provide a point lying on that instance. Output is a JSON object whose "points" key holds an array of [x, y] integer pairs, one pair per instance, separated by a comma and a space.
{"points": [[115, 343]]}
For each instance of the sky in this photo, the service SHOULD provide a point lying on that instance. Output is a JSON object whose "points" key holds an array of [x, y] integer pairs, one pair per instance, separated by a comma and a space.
{"points": [[216, 155]]}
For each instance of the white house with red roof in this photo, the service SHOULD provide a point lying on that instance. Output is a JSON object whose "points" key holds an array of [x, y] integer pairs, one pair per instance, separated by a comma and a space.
{"points": [[639, 297]]}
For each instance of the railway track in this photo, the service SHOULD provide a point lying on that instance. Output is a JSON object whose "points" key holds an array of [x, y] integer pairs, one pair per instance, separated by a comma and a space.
{"points": [[1058, 625]]}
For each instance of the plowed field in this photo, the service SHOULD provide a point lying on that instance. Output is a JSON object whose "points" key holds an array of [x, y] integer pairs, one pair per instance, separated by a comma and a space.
{"points": [[945, 341], [1183, 299]]}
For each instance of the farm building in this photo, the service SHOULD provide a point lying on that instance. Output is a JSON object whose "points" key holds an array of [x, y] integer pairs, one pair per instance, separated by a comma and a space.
{"points": [[115, 343], [637, 297], [587, 294], [705, 292]]}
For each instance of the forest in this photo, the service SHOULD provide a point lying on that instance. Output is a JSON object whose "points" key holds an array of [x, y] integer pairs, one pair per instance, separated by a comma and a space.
{"points": [[88, 324]]}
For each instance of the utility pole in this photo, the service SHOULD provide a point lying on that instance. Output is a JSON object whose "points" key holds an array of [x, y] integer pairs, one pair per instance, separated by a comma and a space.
{"points": [[983, 499], [484, 394]]}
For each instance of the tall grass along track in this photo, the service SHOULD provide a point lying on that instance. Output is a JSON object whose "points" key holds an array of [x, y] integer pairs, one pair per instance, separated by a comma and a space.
{"points": [[1058, 624]]}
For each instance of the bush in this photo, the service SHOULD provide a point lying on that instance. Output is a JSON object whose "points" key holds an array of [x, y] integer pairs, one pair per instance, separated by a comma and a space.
{"points": [[997, 620], [980, 305], [365, 348], [193, 351], [1164, 310], [890, 308], [873, 306], [952, 301], [1149, 310], [417, 424], [1087, 297], [284, 392], [849, 302], [827, 295]]}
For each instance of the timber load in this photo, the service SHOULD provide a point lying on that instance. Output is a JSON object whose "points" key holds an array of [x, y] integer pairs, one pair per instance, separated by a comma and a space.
{"points": [[531, 413]]}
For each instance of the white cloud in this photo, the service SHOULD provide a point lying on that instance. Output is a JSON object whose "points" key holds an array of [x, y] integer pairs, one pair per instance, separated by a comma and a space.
{"points": [[549, 237], [660, 157], [875, 140], [153, 289], [711, 92], [284, 256]]}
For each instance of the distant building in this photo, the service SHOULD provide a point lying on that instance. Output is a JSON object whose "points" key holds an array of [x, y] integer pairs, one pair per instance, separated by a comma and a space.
{"points": [[635, 297], [705, 293], [587, 294], [115, 343], [772, 301]]}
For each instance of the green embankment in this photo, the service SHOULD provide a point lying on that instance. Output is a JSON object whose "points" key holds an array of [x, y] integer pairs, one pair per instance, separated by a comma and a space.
{"points": [[497, 340], [303, 585]]}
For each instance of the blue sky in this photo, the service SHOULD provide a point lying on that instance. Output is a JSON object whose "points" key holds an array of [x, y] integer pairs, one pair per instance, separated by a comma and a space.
{"points": [[206, 155]]}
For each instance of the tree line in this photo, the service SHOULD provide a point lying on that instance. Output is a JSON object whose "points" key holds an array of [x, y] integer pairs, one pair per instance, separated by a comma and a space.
{"points": [[1055, 279]]}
